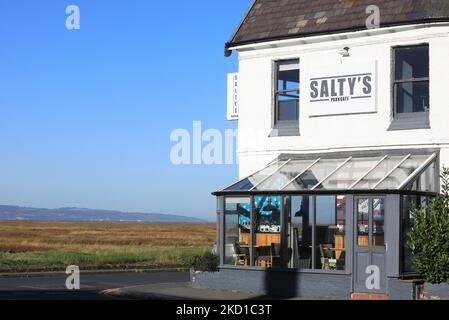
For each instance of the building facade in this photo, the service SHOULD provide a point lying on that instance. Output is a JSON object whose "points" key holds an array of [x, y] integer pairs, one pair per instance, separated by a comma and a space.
{"points": [[342, 128]]}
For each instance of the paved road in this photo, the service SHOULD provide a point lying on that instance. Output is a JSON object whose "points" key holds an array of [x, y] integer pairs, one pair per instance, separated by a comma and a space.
{"points": [[53, 287]]}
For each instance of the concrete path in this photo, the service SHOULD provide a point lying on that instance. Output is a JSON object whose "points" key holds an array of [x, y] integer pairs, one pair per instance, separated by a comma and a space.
{"points": [[179, 291], [52, 286]]}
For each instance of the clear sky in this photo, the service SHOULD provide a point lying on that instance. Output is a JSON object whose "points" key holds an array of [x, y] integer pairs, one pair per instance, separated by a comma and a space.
{"points": [[86, 115]]}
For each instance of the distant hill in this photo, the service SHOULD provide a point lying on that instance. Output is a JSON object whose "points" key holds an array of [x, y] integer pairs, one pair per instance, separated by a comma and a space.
{"points": [[78, 214]]}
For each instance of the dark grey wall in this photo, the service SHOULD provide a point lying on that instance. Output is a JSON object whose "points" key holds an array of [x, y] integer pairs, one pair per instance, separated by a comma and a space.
{"points": [[277, 283], [393, 235], [402, 290]]}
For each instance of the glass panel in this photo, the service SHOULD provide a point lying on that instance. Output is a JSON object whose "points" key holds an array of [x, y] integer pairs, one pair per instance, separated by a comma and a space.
{"points": [[237, 231], [362, 222], [315, 174], [285, 175], [250, 182], [378, 173], [300, 244], [428, 178], [412, 62], [288, 106], [394, 180], [412, 97], [330, 232], [267, 228], [378, 222], [349, 173], [407, 203]]}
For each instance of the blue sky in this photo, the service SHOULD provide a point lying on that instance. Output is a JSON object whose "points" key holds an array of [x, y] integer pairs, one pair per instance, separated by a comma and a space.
{"points": [[86, 115]]}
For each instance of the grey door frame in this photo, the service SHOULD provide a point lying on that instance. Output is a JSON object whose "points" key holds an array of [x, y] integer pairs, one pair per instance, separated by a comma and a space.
{"points": [[371, 250]]}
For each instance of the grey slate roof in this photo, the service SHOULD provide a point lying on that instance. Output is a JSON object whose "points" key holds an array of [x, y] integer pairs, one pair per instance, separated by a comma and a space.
{"points": [[281, 19]]}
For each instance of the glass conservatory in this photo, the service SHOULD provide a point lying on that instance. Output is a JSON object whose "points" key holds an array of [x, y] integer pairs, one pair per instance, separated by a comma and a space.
{"points": [[329, 214]]}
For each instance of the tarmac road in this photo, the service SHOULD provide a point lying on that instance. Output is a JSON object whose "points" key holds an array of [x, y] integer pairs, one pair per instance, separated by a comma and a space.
{"points": [[52, 287]]}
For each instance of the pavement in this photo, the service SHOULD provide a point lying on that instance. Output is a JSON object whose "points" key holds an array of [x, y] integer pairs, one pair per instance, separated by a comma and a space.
{"points": [[179, 291], [155, 285], [92, 285]]}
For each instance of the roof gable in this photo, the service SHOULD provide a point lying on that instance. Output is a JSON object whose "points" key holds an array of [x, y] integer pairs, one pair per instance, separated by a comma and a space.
{"points": [[280, 19]]}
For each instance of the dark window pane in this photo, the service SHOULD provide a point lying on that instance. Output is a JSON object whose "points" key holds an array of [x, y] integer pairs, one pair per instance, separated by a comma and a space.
{"points": [[287, 91], [267, 229], [287, 108], [330, 233], [300, 240], [363, 222], [288, 80], [378, 222], [237, 231], [412, 97], [407, 203], [412, 62]]}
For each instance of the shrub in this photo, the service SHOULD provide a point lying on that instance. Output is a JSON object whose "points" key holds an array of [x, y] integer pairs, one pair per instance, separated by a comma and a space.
{"points": [[206, 262], [428, 238]]}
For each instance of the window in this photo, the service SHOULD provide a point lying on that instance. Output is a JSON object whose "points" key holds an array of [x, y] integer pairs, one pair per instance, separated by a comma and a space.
{"points": [[408, 202], [330, 232], [267, 230], [237, 231], [412, 79], [411, 85], [317, 232], [300, 230], [286, 94]]}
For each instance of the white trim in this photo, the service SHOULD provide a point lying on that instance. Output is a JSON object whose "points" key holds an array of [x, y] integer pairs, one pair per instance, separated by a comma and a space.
{"points": [[410, 146], [330, 174], [301, 173], [418, 170], [369, 171], [391, 171]]}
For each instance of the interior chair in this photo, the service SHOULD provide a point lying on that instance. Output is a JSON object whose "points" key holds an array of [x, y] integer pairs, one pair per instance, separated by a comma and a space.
{"points": [[241, 255], [341, 261], [326, 254], [263, 258], [275, 255]]}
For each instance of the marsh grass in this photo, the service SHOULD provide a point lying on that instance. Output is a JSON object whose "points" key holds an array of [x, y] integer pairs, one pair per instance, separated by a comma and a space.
{"points": [[53, 245]]}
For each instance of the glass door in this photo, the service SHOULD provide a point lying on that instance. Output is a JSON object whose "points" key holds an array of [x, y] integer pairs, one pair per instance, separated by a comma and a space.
{"points": [[370, 246]]}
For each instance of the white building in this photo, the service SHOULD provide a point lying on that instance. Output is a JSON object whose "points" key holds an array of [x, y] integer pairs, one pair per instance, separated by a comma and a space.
{"points": [[342, 125]]}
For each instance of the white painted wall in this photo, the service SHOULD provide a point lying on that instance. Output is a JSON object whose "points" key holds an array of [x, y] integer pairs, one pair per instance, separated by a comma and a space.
{"points": [[340, 132]]}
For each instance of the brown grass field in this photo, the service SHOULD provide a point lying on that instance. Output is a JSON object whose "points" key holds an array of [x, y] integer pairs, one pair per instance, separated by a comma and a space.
{"points": [[27, 246]]}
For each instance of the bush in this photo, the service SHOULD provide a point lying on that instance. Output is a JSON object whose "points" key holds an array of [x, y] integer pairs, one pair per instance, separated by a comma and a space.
{"points": [[206, 262], [428, 238]]}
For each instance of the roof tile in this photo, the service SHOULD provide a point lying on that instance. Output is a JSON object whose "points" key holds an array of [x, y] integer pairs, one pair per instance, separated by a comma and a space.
{"points": [[269, 19]]}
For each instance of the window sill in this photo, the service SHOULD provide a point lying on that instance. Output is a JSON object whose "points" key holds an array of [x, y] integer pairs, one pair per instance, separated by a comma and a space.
{"points": [[410, 121], [290, 129]]}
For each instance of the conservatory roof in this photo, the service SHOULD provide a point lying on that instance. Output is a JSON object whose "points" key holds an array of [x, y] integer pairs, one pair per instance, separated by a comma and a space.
{"points": [[368, 172]]}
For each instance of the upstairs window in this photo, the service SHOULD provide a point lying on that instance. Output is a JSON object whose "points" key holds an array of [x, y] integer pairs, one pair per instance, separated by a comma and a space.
{"points": [[411, 88], [287, 93], [411, 83]]}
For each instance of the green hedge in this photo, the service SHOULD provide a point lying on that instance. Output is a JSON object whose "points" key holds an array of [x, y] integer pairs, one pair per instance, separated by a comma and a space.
{"points": [[206, 262], [428, 238]]}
